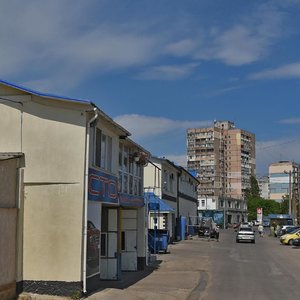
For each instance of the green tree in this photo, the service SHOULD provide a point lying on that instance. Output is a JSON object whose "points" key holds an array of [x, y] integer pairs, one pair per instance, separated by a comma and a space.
{"points": [[254, 201], [253, 191]]}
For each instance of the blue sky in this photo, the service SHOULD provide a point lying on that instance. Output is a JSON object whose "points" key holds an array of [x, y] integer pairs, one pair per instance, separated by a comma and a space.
{"points": [[160, 67]]}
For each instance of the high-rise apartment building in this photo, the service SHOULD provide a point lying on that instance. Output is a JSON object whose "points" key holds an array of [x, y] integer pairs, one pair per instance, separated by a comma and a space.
{"points": [[224, 158]]}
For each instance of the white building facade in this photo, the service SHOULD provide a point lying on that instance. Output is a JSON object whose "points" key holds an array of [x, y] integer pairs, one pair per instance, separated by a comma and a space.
{"points": [[175, 186]]}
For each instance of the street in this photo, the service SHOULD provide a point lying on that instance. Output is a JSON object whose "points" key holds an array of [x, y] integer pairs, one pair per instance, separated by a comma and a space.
{"points": [[208, 270]]}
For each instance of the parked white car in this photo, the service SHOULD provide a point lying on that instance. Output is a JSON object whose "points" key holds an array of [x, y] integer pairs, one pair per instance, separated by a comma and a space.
{"points": [[245, 234]]}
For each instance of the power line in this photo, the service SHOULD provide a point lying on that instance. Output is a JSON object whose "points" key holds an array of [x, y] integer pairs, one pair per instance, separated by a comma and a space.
{"points": [[279, 144]]}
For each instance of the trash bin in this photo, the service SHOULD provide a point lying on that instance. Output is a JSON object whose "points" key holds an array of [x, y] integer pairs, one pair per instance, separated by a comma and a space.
{"points": [[158, 240]]}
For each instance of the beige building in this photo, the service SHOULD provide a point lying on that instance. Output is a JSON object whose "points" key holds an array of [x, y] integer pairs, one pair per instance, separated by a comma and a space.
{"points": [[73, 201], [284, 182], [280, 179], [263, 184], [224, 158]]}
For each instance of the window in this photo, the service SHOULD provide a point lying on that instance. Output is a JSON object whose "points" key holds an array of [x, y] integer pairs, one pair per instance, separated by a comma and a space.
{"points": [[103, 150], [125, 185], [202, 203], [120, 183], [130, 172]]}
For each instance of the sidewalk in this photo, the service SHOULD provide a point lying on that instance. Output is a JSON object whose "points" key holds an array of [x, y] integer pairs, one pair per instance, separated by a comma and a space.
{"points": [[181, 274]]}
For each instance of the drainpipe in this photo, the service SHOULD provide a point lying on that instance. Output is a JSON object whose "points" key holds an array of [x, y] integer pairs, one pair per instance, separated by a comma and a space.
{"points": [[86, 181]]}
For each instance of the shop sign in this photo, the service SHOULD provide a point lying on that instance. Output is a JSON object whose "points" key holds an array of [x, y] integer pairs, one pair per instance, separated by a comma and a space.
{"points": [[131, 201], [102, 187], [259, 212]]}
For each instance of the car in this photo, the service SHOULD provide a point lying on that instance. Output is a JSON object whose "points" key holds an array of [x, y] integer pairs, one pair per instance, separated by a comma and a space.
{"points": [[245, 225], [93, 244], [287, 239], [245, 234], [287, 229], [296, 242]]}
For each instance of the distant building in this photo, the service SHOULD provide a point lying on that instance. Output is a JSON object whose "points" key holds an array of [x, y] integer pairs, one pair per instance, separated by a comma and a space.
{"points": [[175, 187], [280, 177], [224, 159], [263, 184]]}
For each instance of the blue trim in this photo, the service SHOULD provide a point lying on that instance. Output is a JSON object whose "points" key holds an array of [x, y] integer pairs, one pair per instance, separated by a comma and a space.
{"points": [[279, 216], [155, 203], [127, 200], [274, 175], [40, 94]]}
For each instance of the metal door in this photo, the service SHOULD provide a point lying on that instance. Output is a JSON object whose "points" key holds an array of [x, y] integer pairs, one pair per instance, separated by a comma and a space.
{"points": [[129, 240], [109, 247]]}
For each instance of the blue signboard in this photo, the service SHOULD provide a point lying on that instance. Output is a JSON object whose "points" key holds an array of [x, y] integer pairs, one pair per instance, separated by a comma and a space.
{"points": [[103, 187], [216, 215], [131, 201]]}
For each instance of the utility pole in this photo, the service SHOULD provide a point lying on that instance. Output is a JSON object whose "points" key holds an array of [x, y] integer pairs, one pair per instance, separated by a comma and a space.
{"points": [[297, 193], [294, 195], [289, 191]]}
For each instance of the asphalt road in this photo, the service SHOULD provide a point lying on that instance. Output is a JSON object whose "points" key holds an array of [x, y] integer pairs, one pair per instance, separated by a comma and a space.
{"points": [[210, 270], [264, 270]]}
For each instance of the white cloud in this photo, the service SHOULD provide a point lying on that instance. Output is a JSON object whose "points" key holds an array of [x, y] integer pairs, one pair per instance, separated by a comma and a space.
{"points": [[52, 47], [168, 72], [182, 47], [291, 121], [248, 40], [147, 126], [219, 92], [268, 152], [239, 46], [283, 72]]}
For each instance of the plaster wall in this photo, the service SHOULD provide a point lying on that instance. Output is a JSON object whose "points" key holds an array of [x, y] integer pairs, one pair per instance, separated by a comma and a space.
{"points": [[52, 232]]}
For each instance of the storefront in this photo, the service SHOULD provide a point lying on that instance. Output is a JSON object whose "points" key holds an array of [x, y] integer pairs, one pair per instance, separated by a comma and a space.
{"points": [[115, 220]]}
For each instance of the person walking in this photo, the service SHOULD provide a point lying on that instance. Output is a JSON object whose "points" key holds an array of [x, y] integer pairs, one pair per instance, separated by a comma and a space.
{"points": [[217, 232], [261, 230]]}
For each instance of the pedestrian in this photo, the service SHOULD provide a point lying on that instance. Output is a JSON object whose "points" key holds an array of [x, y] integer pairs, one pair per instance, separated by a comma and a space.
{"points": [[261, 230], [278, 229], [217, 233]]}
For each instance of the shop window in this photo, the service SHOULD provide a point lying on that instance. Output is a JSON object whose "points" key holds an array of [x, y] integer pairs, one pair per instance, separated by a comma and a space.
{"points": [[120, 182], [125, 159], [130, 184], [135, 186], [120, 158], [130, 172], [125, 186], [103, 150]]}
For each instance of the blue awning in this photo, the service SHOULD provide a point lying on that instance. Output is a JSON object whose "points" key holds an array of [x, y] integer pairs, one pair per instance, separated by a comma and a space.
{"points": [[157, 204]]}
